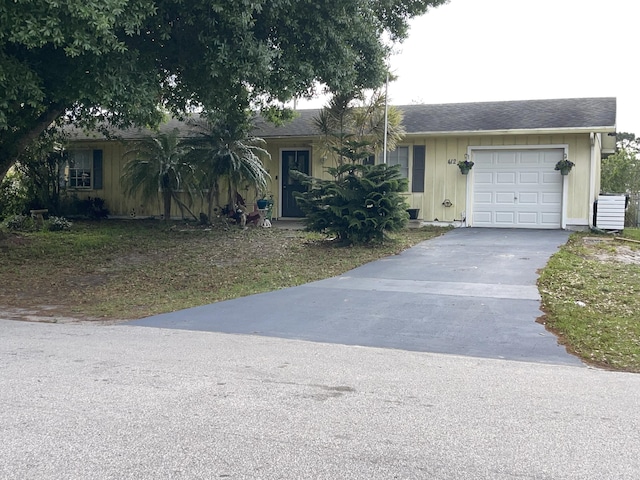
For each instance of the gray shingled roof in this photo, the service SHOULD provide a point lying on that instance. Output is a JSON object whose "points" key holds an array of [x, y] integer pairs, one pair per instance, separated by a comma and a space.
{"points": [[591, 114], [562, 114]]}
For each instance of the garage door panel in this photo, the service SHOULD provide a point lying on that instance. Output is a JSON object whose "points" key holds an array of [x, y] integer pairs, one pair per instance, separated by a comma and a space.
{"points": [[549, 159], [550, 218], [550, 178], [483, 217], [505, 158], [531, 157], [505, 178], [554, 198], [527, 218], [483, 198], [517, 188], [483, 178], [529, 177], [505, 218], [505, 197], [529, 198]]}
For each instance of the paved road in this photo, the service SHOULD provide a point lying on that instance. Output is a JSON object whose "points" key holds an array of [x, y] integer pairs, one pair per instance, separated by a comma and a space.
{"points": [[121, 402], [469, 292]]}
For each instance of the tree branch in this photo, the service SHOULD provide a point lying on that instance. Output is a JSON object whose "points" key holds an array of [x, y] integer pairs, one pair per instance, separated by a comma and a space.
{"points": [[12, 147]]}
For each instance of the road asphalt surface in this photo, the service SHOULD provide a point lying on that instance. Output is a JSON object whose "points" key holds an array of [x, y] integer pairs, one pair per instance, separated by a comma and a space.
{"points": [[122, 402]]}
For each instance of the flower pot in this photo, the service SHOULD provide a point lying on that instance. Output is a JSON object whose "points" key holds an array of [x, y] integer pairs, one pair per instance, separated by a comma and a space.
{"points": [[413, 213], [262, 203], [565, 171], [464, 171]]}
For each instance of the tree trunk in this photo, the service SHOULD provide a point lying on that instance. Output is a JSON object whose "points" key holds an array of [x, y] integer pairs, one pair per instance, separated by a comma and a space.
{"points": [[212, 194], [232, 197], [166, 202], [14, 144]]}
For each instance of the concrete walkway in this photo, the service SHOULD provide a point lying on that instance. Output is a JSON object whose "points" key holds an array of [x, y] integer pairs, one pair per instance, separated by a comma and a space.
{"points": [[469, 292]]}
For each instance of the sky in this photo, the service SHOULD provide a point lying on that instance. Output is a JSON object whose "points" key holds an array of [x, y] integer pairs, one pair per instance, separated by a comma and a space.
{"points": [[495, 50]]}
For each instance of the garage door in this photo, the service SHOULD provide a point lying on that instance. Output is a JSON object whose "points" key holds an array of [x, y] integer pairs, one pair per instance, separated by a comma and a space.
{"points": [[517, 188]]}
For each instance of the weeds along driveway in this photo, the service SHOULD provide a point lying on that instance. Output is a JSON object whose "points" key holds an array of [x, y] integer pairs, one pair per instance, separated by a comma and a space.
{"points": [[469, 292]]}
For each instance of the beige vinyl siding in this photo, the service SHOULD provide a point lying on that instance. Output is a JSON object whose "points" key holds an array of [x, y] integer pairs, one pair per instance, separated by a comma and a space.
{"points": [[442, 182], [118, 204]]}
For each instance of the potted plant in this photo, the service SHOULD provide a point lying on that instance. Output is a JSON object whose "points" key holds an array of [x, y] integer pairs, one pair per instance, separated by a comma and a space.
{"points": [[564, 166], [263, 202], [413, 213], [465, 165]]}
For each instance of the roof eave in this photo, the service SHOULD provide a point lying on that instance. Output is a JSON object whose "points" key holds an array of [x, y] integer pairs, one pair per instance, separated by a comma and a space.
{"points": [[288, 137], [520, 131]]}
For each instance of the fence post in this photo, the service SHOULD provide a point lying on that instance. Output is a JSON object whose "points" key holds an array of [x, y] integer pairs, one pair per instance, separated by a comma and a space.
{"points": [[632, 216]]}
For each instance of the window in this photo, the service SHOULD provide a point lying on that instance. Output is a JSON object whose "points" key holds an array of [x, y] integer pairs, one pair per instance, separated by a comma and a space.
{"points": [[83, 170], [80, 168], [400, 156]]}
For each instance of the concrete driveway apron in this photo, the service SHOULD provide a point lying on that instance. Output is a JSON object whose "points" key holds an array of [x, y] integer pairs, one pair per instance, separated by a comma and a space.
{"points": [[469, 292]]}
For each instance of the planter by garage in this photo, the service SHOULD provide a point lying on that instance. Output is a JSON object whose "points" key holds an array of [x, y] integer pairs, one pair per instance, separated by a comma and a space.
{"points": [[413, 213]]}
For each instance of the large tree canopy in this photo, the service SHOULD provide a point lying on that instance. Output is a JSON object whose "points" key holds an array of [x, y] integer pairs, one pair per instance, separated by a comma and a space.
{"points": [[119, 60]]}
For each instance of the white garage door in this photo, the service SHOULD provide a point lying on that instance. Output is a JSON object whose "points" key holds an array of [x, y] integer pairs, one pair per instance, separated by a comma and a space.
{"points": [[517, 188]]}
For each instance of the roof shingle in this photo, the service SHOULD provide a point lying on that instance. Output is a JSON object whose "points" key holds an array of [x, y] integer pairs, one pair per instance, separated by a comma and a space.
{"points": [[572, 113], [592, 114]]}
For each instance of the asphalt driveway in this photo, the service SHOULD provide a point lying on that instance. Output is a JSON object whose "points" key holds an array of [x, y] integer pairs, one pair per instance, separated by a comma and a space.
{"points": [[469, 292]]}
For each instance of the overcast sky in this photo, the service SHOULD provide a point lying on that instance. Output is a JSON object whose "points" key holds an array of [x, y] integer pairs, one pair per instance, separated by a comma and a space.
{"points": [[488, 50]]}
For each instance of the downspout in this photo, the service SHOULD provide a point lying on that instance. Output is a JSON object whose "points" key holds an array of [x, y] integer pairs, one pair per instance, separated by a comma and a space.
{"points": [[467, 207], [592, 177]]}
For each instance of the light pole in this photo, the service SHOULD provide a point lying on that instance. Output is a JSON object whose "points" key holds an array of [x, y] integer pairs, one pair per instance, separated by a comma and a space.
{"points": [[386, 114]]}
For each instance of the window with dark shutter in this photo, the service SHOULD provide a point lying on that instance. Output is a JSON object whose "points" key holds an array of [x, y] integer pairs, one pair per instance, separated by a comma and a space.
{"points": [[79, 169], [400, 156]]}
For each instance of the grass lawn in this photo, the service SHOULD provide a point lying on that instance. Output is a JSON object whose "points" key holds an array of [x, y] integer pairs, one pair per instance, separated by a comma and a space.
{"points": [[114, 269], [591, 297]]}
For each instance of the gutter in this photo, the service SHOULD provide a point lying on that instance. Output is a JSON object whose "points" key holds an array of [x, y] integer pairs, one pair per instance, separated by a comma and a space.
{"points": [[452, 133], [519, 131]]}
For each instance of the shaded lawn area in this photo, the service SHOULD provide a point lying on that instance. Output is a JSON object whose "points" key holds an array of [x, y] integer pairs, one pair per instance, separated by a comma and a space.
{"points": [[591, 297], [119, 269]]}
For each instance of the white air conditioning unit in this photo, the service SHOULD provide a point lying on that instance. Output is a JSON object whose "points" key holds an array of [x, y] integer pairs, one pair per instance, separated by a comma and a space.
{"points": [[610, 213]]}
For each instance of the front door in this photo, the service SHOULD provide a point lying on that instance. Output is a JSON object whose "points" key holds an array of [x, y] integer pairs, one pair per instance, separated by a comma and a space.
{"points": [[298, 160]]}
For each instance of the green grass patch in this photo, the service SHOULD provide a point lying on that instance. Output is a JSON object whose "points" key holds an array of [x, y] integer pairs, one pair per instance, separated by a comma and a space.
{"points": [[591, 295], [633, 233], [131, 269]]}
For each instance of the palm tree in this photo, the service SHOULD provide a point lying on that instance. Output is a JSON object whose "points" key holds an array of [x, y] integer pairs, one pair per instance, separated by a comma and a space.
{"points": [[225, 151], [353, 128], [159, 165]]}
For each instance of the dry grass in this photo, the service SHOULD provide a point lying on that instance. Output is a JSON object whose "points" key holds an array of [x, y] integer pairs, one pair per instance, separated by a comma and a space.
{"points": [[591, 294], [115, 270]]}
